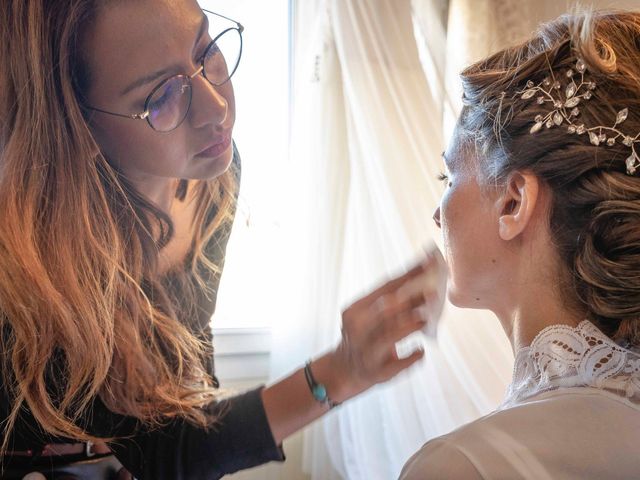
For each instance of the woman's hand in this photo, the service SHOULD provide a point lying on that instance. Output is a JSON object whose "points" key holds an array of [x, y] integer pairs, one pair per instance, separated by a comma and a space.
{"points": [[366, 354], [371, 327]]}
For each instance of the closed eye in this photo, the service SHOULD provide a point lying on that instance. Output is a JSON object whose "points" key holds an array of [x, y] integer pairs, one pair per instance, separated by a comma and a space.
{"points": [[443, 177]]}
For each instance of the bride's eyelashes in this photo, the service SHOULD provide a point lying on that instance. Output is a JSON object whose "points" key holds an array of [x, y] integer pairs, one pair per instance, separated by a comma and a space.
{"points": [[444, 178]]}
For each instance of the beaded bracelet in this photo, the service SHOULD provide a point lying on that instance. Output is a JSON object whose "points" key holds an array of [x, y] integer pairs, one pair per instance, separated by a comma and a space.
{"points": [[318, 390]]}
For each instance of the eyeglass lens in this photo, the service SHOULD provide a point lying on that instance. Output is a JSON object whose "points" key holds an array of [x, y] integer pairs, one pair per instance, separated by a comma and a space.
{"points": [[169, 104], [222, 57]]}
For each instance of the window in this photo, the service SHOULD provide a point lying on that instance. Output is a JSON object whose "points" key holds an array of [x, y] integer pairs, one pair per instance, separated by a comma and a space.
{"points": [[261, 87]]}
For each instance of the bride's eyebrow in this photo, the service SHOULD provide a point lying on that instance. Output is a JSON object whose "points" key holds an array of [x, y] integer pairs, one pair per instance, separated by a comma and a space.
{"points": [[152, 77]]}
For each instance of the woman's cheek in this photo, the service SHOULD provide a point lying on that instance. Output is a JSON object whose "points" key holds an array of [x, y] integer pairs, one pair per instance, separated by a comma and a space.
{"points": [[453, 231], [445, 225]]}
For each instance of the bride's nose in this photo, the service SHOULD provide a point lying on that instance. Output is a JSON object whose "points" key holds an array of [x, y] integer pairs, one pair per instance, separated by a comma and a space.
{"points": [[436, 217]]}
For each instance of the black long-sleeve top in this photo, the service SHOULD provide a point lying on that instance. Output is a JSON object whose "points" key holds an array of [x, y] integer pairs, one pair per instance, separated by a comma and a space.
{"points": [[241, 439]]}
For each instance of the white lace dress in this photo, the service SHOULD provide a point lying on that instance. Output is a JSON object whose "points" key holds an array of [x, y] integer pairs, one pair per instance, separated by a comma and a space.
{"points": [[572, 411]]}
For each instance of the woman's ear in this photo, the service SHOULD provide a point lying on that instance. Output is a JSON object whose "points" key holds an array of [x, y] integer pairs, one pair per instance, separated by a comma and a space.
{"points": [[517, 204]]}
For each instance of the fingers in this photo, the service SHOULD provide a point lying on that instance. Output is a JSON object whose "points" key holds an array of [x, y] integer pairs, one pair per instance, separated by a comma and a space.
{"points": [[395, 365], [373, 325], [431, 259], [394, 314], [393, 285], [396, 323], [396, 328], [370, 347], [433, 302], [366, 321], [390, 305]]}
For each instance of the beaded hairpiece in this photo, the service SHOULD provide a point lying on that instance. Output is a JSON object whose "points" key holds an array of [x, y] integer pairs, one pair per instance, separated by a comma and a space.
{"points": [[566, 111]]}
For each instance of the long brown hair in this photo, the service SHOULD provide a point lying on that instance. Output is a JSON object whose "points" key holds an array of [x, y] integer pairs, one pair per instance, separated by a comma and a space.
{"points": [[595, 212], [83, 311]]}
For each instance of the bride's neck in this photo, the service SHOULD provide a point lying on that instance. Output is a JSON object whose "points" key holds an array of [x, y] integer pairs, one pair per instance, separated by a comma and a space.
{"points": [[535, 308]]}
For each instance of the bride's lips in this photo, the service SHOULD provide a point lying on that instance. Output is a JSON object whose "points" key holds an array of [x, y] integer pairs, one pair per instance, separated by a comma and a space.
{"points": [[219, 146]]}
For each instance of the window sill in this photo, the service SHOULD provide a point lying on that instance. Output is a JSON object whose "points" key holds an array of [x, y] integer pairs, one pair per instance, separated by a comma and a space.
{"points": [[242, 354]]}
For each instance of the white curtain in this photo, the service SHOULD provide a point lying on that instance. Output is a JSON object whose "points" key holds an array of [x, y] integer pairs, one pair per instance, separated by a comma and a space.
{"points": [[477, 28], [372, 108]]}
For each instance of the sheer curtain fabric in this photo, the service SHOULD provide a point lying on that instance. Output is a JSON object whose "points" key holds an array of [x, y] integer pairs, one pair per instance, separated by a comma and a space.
{"points": [[368, 135]]}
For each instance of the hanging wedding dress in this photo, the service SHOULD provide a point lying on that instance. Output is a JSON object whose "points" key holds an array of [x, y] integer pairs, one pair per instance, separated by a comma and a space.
{"points": [[572, 411]]}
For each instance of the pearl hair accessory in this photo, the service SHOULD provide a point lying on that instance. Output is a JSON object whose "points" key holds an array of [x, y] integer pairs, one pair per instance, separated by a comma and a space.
{"points": [[566, 110]]}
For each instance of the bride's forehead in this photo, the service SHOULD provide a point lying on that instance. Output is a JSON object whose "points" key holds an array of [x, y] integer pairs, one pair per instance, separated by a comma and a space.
{"points": [[460, 152]]}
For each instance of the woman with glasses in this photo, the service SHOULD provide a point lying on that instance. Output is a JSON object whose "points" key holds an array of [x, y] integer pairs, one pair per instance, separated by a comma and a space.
{"points": [[118, 181]]}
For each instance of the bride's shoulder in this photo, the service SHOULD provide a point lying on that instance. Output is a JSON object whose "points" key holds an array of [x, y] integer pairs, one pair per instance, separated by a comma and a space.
{"points": [[437, 459], [541, 435], [472, 451]]}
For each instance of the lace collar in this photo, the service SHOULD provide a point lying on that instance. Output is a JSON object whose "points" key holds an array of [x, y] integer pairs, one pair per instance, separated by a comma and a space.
{"points": [[564, 357]]}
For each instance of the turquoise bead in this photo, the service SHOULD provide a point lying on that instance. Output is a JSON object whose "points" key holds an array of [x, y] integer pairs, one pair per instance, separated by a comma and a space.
{"points": [[319, 393]]}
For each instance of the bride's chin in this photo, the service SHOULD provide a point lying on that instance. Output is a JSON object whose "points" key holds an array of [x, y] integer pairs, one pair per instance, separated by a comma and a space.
{"points": [[453, 296], [464, 299]]}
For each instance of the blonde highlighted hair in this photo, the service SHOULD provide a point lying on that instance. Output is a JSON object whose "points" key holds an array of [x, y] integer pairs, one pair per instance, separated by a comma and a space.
{"points": [[595, 212], [83, 313]]}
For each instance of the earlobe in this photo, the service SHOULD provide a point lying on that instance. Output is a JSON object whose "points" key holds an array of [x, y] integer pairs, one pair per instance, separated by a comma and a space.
{"points": [[517, 204]]}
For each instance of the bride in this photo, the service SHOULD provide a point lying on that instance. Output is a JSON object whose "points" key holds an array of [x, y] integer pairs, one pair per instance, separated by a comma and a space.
{"points": [[541, 223]]}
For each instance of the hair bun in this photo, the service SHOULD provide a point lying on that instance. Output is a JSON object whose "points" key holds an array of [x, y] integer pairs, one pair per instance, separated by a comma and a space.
{"points": [[608, 266]]}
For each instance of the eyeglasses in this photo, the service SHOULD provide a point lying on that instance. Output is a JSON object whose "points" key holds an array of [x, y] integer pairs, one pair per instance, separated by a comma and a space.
{"points": [[168, 104]]}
